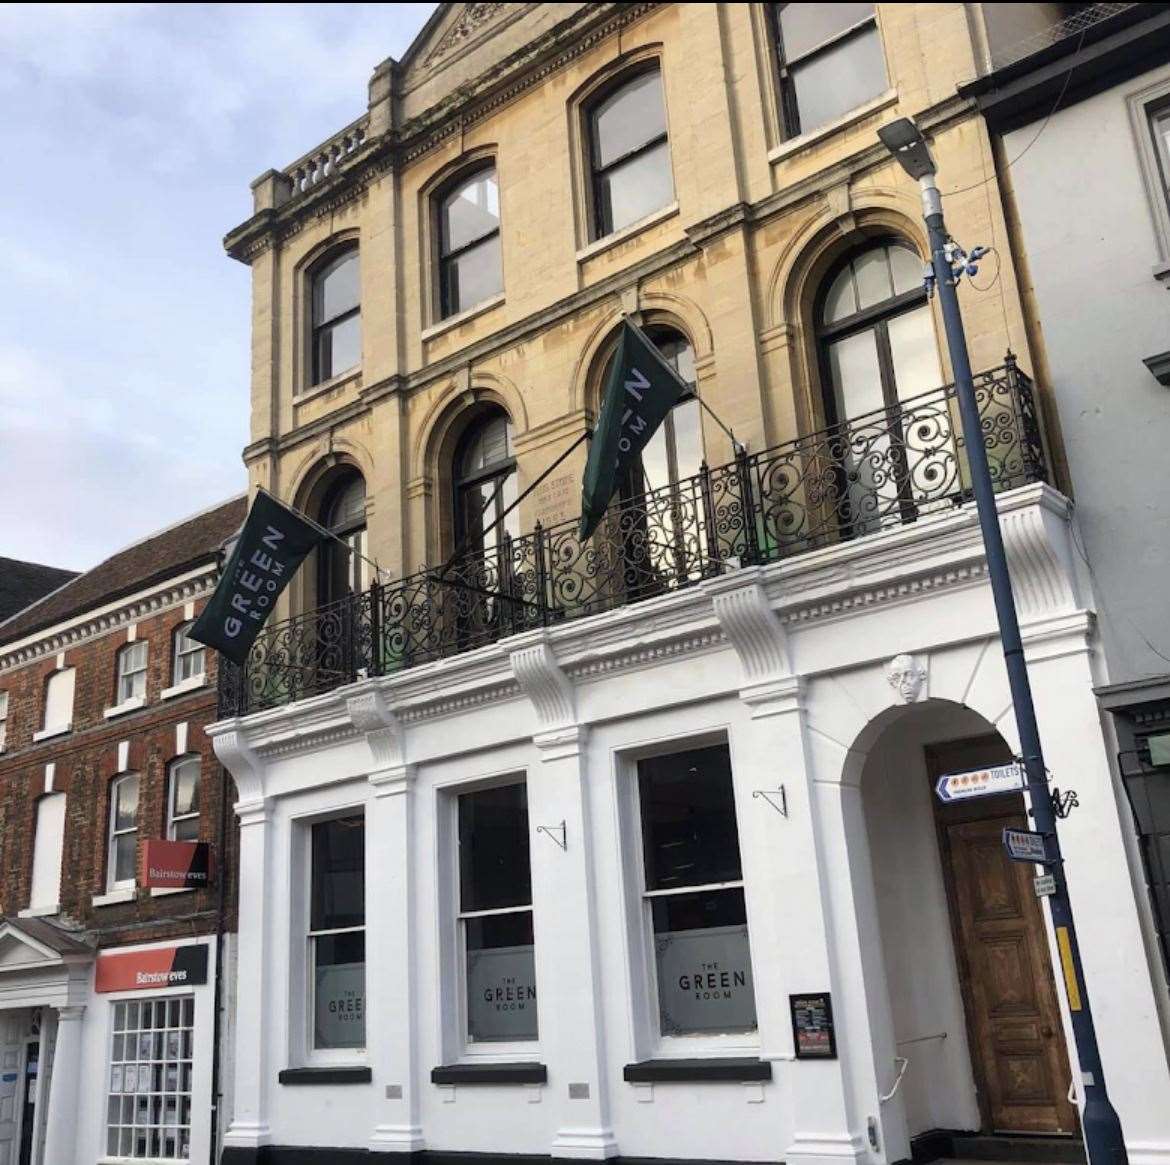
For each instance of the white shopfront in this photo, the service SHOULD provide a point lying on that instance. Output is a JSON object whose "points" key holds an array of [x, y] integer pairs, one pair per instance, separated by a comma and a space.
{"points": [[565, 895]]}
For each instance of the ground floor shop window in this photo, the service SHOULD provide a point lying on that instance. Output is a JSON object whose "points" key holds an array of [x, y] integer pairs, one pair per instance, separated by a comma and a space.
{"points": [[693, 897], [495, 914], [337, 933], [149, 1107]]}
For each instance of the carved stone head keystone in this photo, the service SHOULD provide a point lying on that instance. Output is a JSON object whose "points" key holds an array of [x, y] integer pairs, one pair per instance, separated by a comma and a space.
{"points": [[907, 676]]}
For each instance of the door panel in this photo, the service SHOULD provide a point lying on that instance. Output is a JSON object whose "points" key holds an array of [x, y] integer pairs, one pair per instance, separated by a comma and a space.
{"points": [[1010, 995], [12, 1029]]}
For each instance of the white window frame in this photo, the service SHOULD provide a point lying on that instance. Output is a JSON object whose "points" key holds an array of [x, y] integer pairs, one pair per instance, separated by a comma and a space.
{"points": [[1143, 108], [130, 651], [309, 1053], [112, 834], [116, 1070], [652, 1043], [185, 648], [3, 720], [468, 1050], [173, 771], [61, 726]]}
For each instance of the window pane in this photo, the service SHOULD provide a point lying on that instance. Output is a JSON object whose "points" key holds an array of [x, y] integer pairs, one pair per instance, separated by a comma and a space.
{"points": [[857, 378], [489, 444], [635, 189], [704, 963], [804, 26], [906, 268], [501, 978], [185, 830], [688, 438], [472, 277], [336, 290], [915, 352], [629, 118], [125, 856], [339, 347], [689, 835], [185, 788], [493, 849], [339, 862], [347, 504], [470, 212], [840, 79], [126, 803], [339, 991], [871, 270], [842, 298]]}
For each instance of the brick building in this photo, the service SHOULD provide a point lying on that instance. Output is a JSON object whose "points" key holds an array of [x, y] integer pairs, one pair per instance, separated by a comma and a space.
{"points": [[103, 702]]}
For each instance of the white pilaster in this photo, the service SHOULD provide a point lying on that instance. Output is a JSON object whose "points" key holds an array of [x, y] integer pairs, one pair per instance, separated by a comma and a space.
{"points": [[61, 1125]]}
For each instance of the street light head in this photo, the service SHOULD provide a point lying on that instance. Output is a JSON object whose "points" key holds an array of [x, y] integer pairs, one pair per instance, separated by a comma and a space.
{"points": [[904, 141]]}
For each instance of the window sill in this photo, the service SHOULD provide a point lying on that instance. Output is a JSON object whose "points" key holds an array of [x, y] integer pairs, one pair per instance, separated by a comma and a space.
{"points": [[627, 233], [114, 897], [338, 1075], [131, 705], [525, 1072], [692, 1071], [163, 891], [445, 325], [342, 378], [48, 733], [39, 911], [795, 145], [183, 686]]}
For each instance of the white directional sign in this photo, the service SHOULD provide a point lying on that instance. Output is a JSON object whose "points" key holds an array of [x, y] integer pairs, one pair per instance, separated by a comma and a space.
{"points": [[1007, 778]]}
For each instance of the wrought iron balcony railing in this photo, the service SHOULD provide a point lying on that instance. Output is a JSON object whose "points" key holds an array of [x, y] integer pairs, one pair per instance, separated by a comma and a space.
{"points": [[868, 473]]}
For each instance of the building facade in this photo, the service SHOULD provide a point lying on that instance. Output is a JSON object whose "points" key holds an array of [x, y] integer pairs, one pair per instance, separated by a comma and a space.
{"points": [[108, 986], [628, 847], [1114, 107]]}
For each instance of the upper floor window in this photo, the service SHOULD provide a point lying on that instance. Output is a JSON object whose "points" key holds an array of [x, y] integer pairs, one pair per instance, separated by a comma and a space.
{"points": [[337, 323], [831, 61], [341, 565], [1160, 128], [3, 719], [188, 656], [485, 483], [45, 892], [470, 270], [629, 154], [132, 672], [183, 799], [59, 701], [122, 855]]}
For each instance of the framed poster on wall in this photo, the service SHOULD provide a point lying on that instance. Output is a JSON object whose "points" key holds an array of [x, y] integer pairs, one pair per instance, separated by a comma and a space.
{"points": [[813, 1034]]}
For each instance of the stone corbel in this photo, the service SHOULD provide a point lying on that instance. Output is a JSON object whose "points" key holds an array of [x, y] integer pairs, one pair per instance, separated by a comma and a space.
{"points": [[244, 764], [545, 684], [1038, 543], [373, 717]]}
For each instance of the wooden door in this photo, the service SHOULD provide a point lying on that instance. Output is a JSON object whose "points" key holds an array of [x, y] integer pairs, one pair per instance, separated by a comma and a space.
{"points": [[1017, 1041]]}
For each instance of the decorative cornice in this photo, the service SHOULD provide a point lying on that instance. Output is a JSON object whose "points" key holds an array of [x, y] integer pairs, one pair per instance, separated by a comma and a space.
{"points": [[236, 754], [750, 625], [373, 717], [644, 654], [561, 743], [98, 625], [433, 709], [1038, 544], [544, 683]]}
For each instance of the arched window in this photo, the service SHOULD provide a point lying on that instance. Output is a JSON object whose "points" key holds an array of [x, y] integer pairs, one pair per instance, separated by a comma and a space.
{"points": [[183, 799], [875, 330], [188, 657], [629, 155], [878, 349], [122, 851], [485, 484], [342, 571], [469, 242], [831, 61], [336, 316]]}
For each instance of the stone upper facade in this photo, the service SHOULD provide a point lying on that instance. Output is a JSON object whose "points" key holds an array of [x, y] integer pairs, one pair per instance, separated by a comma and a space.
{"points": [[734, 262]]}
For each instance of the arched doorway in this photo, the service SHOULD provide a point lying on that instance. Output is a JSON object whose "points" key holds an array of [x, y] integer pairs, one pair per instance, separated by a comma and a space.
{"points": [[964, 955]]}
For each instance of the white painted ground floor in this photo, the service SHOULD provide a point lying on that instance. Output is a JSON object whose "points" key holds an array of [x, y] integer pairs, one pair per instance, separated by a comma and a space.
{"points": [[671, 882], [104, 1056]]}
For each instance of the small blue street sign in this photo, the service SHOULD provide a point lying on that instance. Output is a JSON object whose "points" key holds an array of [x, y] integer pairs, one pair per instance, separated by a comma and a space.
{"points": [[1007, 778], [1023, 845]]}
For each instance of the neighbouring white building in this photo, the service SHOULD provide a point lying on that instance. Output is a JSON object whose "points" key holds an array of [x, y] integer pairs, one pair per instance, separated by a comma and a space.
{"points": [[630, 848]]}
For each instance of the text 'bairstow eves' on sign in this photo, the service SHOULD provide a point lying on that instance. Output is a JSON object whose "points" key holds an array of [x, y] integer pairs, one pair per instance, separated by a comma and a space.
{"points": [[272, 544], [640, 390]]}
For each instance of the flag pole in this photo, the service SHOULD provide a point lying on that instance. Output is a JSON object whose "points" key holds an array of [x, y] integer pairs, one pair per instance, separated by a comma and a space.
{"points": [[321, 529]]}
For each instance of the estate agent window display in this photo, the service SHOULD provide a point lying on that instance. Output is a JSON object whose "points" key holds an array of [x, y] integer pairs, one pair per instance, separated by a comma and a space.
{"points": [[692, 903]]}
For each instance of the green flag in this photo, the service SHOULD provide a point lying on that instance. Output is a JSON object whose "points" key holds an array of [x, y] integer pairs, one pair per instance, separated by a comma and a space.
{"points": [[641, 389], [272, 544]]}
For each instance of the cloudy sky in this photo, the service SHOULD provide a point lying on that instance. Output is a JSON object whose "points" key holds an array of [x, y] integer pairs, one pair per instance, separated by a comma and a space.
{"points": [[130, 135]]}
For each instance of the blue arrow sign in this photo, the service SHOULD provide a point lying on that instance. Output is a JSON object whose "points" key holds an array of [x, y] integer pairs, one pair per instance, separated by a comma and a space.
{"points": [[1007, 778]]}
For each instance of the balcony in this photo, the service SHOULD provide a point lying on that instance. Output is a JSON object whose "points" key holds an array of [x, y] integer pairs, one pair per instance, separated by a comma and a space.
{"points": [[867, 474]]}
